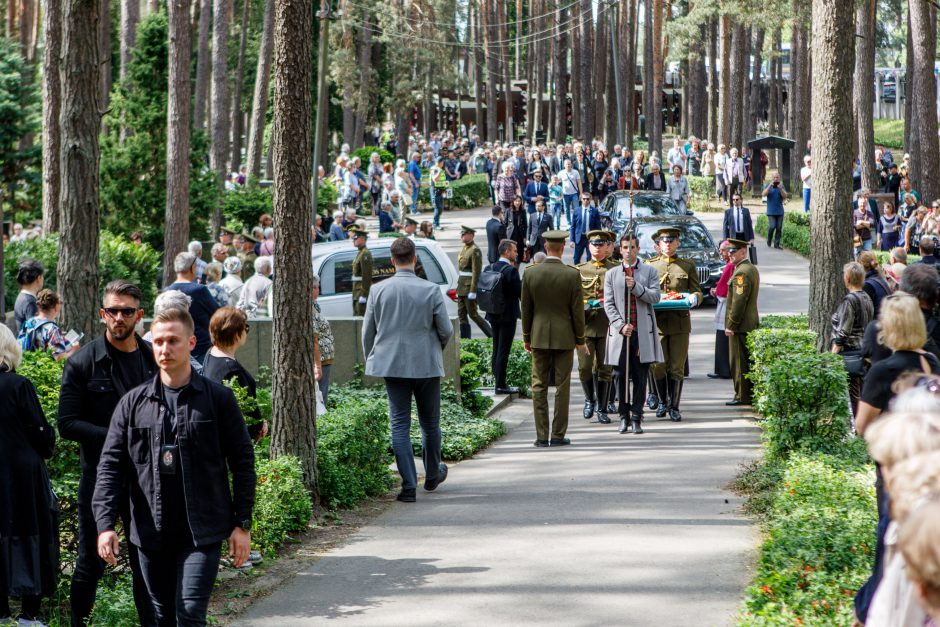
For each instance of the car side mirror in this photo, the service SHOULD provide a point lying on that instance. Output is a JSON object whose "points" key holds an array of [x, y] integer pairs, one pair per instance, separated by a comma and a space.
{"points": [[689, 212]]}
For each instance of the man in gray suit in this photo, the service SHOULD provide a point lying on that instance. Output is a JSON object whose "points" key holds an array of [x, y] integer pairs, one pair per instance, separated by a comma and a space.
{"points": [[637, 322], [405, 329]]}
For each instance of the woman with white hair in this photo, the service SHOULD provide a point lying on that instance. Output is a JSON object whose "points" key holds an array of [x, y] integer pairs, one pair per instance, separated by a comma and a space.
{"points": [[266, 248], [232, 283], [337, 232], [29, 560], [507, 187], [374, 175], [403, 182]]}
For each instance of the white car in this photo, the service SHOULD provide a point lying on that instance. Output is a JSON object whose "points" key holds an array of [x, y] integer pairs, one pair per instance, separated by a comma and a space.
{"points": [[332, 262]]}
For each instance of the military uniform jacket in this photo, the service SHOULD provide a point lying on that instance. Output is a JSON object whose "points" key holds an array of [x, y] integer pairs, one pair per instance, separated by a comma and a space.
{"points": [[552, 307], [676, 275], [362, 269], [741, 307], [592, 288], [248, 264], [469, 265]]}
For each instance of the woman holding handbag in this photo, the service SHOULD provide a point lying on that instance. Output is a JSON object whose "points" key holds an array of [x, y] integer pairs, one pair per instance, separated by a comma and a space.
{"points": [[848, 327]]}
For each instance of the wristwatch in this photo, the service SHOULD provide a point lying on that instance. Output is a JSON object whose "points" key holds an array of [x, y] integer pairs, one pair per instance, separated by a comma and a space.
{"points": [[245, 524]]}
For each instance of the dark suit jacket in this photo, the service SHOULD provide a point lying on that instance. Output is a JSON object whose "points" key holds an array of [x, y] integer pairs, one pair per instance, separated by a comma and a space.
{"points": [[495, 233], [512, 292], [579, 230], [729, 229], [648, 182], [538, 224], [533, 189], [517, 224]]}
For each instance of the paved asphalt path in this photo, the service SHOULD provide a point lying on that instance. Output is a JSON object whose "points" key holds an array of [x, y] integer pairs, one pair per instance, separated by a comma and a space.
{"points": [[612, 530]]}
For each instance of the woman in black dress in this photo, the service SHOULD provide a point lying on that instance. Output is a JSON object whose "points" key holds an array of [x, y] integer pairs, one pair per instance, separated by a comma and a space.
{"points": [[29, 534]]}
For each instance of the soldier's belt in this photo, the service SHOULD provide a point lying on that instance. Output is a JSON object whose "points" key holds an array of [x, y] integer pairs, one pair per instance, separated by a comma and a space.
{"points": [[356, 278], [462, 273]]}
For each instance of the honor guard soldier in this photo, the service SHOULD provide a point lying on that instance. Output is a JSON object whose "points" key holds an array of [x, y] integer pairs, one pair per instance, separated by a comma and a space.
{"points": [[552, 327], [361, 272], [741, 318], [246, 253], [225, 238], [469, 266], [595, 376], [410, 227], [675, 325]]}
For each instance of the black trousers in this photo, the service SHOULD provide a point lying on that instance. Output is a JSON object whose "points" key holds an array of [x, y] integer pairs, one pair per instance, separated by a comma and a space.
{"points": [[180, 582], [639, 374], [774, 229], [89, 567], [722, 360], [503, 333]]}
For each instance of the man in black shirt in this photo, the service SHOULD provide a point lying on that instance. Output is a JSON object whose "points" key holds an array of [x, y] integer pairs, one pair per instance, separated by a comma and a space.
{"points": [[94, 380]]}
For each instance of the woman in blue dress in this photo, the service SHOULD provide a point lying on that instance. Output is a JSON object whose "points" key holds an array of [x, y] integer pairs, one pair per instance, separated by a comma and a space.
{"points": [[889, 227]]}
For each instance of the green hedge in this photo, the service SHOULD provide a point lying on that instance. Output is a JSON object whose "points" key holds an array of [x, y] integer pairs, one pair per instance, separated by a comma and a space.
{"points": [[768, 346], [790, 321], [469, 192], [795, 235], [702, 188], [242, 207], [365, 154], [119, 259], [518, 369], [282, 503]]}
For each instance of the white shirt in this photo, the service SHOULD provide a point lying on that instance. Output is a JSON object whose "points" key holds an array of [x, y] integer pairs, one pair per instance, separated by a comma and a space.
{"points": [[720, 160], [569, 181], [806, 173]]}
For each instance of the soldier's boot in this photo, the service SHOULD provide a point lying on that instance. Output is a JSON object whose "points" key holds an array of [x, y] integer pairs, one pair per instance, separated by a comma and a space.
{"points": [[635, 422], [652, 399], [612, 395], [663, 394], [465, 331], [602, 387], [589, 398], [675, 394], [624, 424]]}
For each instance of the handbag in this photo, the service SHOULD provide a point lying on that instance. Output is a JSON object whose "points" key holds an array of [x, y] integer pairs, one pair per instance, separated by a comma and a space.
{"points": [[854, 363]]}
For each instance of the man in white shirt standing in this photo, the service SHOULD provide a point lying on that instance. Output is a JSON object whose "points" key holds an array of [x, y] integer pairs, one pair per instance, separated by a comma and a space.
{"points": [[806, 175]]}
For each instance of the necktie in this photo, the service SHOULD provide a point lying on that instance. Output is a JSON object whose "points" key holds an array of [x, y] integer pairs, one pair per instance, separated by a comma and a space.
{"points": [[738, 220], [584, 221]]}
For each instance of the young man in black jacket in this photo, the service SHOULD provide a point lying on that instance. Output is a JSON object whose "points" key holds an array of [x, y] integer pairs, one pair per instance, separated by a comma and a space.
{"points": [[94, 380], [504, 324], [172, 444]]}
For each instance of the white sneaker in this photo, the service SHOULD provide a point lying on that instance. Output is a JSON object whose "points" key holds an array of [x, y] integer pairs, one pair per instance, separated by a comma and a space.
{"points": [[255, 557], [26, 621]]}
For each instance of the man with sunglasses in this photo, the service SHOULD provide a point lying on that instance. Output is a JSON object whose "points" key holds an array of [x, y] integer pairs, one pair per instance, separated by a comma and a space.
{"points": [[94, 380], [741, 318], [675, 325]]}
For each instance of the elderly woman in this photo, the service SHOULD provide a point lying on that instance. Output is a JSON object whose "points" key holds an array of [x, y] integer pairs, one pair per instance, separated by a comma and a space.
{"points": [[849, 321], [232, 283], [876, 286], [507, 186], [29, 561], [324, 333], [213, 276], [678, 188], [41, 333]]}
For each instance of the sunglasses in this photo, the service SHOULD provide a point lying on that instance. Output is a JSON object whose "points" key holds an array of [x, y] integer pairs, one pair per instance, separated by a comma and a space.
{"points": [[114, 312], [667, 239], [248, 326], [733, 250], [599, 242]]}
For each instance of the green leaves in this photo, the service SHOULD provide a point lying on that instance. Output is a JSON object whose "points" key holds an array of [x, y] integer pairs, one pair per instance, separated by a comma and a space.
{"points": [[795, 233], [282, 504]]}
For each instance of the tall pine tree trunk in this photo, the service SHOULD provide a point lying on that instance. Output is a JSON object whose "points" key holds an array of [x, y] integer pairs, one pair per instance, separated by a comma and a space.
{"points": [[911, 137], [365, 81], [259, 105], [202, 64], [628, 68], [51, 110], [561, 74], [586, 75], [602, 73], [220, 105], [130, 17], [656, 130], [294, 417], [924, 92], [492, 69], [756, 100], [77, 267], [104, 47], [737, 85], [797, 116], [863, 94], [724, 78], [238, 117], [712, 115], [574, 87], [176, 234], [476, 37], [833, 53]]}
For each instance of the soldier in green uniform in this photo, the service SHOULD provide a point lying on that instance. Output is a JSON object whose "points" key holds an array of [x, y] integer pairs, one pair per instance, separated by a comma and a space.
{"points": [[741, 318], [552, 326], [675, 325], [469, 266], [595, 376], [225, 238], [361, 272], [246, 245]]}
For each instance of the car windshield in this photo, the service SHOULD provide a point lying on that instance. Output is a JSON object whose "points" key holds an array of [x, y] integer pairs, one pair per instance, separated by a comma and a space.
{"points": [[694, 237], [643, 205]]}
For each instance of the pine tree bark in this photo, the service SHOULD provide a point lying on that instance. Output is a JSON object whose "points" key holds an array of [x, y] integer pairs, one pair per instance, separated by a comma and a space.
{"points": [[611, 106], [724, 78], [294, 418], [238, 127], [863, 94], [561, 74], [574, 87], [517, 66], [924, 93], [656, 129], [628, 68], [737, 85], [77, 267], [202, 64], [259, 105], [586, 75], [756, 100], [365, 81], [476, 37], [104, 46], [492, 69], [911, 138], [51, 110], [220, 104], [602, 72], [712, 115], [833, 61], [130, 18], [176, 228], [795, 100]]}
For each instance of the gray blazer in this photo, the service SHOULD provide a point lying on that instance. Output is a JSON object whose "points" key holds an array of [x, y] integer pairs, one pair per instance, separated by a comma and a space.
{"points": [[405, 328], [646, 292]]}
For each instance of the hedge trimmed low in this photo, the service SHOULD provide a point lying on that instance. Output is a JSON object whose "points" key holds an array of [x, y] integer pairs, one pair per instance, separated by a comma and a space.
{"points": [[795, 232], [469, 192], [518, 369]]}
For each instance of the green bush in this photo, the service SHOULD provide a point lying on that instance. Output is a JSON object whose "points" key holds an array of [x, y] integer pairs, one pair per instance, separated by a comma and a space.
{"points": [[353, 451], [795, 232], [114, 602], [241, 208], [282, 503], [462, 433], [702, 187], [767, 346], [819, 546], [518, 369], [799, 322], [119, 259], [884, 257], [365, 154], [469, 192], [471, 374]]}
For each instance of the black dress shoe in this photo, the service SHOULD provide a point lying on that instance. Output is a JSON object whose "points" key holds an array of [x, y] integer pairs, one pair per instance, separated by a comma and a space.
{"points": [[561, 442], [624, 425], [507, 390], [406, 496], [588, 412], [674, 415], [602, 418], [541, 443], [662, 410], [734, 403], [611, 408], [778, 246], [712, 375], [431, 484], [637, 420]]}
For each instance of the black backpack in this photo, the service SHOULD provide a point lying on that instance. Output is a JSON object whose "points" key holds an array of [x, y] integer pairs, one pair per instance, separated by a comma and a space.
{"points": [[490, 298]]}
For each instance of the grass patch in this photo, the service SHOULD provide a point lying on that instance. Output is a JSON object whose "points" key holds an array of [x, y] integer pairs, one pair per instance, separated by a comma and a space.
{"points": [[889, 133]]}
